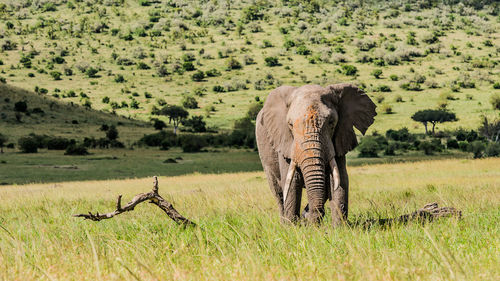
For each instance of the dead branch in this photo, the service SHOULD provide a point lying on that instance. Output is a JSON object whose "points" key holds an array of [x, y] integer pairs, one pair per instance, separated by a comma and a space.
{"points": [[428, 213], [153, 198]]}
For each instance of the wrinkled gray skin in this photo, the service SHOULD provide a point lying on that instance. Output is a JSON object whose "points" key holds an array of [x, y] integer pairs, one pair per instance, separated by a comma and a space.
{"points": [[303, 134]]}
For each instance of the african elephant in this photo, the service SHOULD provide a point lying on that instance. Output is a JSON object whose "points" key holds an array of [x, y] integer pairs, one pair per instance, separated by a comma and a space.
{"points": [[303, 134]]}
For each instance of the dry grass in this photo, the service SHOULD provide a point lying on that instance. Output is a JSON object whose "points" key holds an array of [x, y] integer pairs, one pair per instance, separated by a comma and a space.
{"points": [[239, 237]]}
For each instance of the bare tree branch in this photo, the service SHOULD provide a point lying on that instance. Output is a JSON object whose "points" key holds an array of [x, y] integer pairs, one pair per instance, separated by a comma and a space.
{"points": [[154, 198]]}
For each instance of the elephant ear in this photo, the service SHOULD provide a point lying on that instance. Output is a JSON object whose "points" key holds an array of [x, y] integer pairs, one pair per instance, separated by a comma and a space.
{"points": [[355, 109], [274, 121]]}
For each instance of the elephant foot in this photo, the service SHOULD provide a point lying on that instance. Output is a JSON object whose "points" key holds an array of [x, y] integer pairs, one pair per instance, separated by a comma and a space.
{"points": [[305, 213]]}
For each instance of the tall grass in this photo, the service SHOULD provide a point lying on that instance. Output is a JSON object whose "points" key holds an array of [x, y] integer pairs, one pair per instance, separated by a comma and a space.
{"points": [[239, 235]]}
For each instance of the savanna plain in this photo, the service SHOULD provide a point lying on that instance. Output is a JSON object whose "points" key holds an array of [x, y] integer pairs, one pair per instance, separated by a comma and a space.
{"points": [[239, 236]]}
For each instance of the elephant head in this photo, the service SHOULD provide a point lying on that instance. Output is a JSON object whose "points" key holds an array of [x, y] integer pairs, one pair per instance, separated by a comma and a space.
{"points": [[310, 126]]}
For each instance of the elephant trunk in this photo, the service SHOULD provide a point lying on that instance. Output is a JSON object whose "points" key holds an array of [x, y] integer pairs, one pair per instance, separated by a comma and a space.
{"points": [[312, 165]]}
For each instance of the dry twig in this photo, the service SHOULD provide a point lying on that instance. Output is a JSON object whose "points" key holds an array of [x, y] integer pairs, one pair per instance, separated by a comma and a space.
{"points": [[153, 198]]}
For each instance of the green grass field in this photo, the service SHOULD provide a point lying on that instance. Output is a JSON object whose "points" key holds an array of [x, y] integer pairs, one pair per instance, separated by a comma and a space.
{"points": [[239, 235]]}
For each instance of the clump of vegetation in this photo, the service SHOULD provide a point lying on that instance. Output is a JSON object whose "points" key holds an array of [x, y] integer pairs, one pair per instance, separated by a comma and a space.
{"points": [[495, 101]]}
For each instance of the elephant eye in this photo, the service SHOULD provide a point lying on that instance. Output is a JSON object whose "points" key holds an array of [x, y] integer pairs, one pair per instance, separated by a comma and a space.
{"points": [[332, 122]]}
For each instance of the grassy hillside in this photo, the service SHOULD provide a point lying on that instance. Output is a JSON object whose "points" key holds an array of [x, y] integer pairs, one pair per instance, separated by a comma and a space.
{"points": [[45, 115], [128, 56], [239, 237]]}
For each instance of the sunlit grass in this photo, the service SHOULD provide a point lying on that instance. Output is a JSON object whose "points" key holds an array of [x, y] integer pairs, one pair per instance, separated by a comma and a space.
{"points": [[239, 236]]}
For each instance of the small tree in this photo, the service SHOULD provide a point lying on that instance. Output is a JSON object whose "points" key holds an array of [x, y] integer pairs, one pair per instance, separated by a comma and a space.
{"points": [[112, 133], [3, 140], [433, 116], [175, 114]]}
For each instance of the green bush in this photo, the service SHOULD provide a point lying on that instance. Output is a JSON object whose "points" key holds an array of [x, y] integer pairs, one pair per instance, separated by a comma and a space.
{"points": [[192, 143], [303, 50], [495, 101], [21, 106], [189, 102], [119, 79], [377, 73], [56, 75], [477, 148], [428, 147], [390, 150], [28, 144], [463, 146], [198, 76], [91, 72], [58, 143], [493, 149], [188, 66], [369, 147], [452, 144], [349, 70], [159, 125], [195, 124], [232, 63], [272, 61], [76, 149]]}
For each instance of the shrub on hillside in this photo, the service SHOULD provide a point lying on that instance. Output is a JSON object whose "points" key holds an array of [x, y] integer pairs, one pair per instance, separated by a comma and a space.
{"points": [[477, 148], [232, 63], [377, 73], [21, 106], [76, 149], [349, 70], [452, 144], [195, 124], [493, 149], [495, 101], [28, 144], [192, 143], [58, 143], [428, 147], [159, 125], [369, 147], [272, 61]]}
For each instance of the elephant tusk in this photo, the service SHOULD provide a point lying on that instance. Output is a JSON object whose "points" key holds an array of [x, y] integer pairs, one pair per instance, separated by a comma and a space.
{"points": [[288, 182], [335, 174]]}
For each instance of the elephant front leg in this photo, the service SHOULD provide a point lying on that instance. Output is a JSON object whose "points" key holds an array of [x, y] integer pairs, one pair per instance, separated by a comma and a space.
{"points": [[339, 196], [291, 206]]}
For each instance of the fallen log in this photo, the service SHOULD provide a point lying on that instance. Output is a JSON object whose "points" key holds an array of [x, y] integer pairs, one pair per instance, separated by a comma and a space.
{"points": [[153, 197], [428, 213]]}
